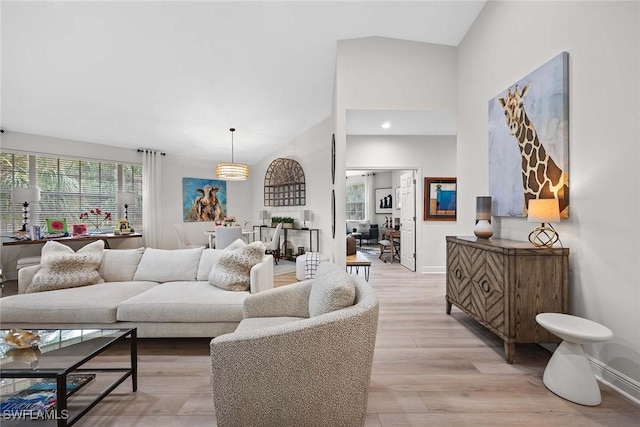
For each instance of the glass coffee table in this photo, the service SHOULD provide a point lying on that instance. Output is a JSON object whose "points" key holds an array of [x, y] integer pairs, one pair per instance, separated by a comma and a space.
{"points": [[57, 365]]}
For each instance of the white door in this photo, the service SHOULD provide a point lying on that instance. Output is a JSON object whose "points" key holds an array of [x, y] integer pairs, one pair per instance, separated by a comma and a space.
{"points": [[408, 220]]}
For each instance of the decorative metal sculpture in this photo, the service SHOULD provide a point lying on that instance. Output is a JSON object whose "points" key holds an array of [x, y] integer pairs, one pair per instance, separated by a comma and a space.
{"points": [[284, 184]]}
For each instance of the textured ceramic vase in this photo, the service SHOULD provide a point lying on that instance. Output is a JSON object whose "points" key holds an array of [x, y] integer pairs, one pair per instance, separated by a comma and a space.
{"points": [[483, 229]]}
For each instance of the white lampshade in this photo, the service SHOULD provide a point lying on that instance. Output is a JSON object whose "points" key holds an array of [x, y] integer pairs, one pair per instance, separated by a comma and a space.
{"points": [[125, 198], [232, 171], [543, 210], [264, 214], [306, 215], [21, 195]]}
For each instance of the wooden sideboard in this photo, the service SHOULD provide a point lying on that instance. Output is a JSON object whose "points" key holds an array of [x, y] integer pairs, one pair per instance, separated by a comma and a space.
{"points": [[503, 284]]}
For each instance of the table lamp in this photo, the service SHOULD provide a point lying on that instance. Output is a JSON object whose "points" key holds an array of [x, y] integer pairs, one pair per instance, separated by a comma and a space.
{"points": [[24, 196], [126, 198], [264, 215], [306, 215], [483, 228], [543, 211]]}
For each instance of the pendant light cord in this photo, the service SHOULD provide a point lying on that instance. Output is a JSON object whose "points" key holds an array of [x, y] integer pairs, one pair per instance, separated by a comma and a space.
{"points": [[232, 131]]}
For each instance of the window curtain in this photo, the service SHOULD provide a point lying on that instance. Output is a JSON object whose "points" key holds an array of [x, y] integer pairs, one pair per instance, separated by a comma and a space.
{"points": [[369, 202], [151, 197]]}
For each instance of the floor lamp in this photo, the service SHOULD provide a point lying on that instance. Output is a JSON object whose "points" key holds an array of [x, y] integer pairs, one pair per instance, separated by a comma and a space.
{"points": [[24, 196]]}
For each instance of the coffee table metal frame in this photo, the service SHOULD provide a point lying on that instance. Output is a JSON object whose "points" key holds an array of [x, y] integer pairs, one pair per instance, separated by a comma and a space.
{"points": [[60, 375]]}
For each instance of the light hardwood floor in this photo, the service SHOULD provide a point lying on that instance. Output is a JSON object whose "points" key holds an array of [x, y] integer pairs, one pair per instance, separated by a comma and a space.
{"points": [[429, 369]]}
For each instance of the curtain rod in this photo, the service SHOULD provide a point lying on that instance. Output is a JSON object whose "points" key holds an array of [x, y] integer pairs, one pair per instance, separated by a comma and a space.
{"points": [[141, 150]]}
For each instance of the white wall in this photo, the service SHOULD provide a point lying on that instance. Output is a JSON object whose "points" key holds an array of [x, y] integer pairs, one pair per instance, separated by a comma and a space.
{"points": [[174, 168], [312, 150], [429, 156], [381, 73], [511, 39]]}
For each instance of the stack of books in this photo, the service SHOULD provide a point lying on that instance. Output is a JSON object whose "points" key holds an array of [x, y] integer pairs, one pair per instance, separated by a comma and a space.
{"points": [[40, 398]]}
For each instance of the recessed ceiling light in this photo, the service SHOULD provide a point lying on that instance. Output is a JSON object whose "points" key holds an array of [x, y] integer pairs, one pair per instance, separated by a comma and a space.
{"points": [[386, 125]]}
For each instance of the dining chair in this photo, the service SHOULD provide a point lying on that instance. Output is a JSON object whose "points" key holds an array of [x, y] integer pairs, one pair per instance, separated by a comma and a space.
{"points": [[273, 247], [183, 240], [227, 235]]}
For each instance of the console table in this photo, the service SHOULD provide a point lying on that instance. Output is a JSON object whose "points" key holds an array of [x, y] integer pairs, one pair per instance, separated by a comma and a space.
{"points": [[85, 238], [286, 232], [503, 284]]}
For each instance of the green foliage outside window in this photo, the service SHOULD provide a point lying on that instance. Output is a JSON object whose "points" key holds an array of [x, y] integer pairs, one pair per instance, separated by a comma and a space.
{"points": [[68, 187]]}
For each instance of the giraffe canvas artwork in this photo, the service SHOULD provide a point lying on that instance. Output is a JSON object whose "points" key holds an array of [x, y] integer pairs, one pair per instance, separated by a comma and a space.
{"points": [[529, 141]]}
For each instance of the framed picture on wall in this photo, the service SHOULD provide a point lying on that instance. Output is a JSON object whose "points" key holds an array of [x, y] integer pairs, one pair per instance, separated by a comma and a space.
{"points": [[203, 199], [384, 200], [440, 199]]}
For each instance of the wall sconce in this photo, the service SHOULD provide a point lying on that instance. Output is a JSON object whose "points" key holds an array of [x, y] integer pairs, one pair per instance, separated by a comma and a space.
{"points": [[24, 196], [126, 199], [306, 214], [483, 228], [543, 211], [264, 215]]}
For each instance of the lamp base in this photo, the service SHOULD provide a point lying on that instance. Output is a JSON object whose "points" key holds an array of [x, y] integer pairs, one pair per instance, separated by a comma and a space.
{"points": [[544, 237], [483, 229]]}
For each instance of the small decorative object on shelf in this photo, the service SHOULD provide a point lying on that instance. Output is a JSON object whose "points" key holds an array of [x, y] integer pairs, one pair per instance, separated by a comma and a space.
{"points": [[483, 228], [123, 227], [287, 222], [79, 230], [229, 221], [96, 217], [19, 338]]}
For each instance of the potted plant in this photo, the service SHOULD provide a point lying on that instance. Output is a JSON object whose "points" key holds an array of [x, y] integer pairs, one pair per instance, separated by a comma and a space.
{"points": [[275, 220], [287, 222]]}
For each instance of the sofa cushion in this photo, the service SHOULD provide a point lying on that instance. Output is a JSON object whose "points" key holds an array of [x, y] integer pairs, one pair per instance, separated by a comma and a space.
{"points": [[61, 267], [232, 272], [119, 265], [87, 304], [332, 289], [207, 261], [166, 265], [183, 302]]}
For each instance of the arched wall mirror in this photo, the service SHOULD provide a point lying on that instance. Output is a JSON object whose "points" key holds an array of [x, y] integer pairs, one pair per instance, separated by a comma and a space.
{"points": [[284, 184]]}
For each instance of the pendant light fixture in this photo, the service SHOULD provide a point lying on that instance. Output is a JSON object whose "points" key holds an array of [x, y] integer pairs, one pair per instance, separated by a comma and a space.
{"points": [[232, 171]]}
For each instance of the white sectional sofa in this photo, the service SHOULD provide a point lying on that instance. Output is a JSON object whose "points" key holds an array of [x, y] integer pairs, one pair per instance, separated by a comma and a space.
{"points": [[164, 293]]}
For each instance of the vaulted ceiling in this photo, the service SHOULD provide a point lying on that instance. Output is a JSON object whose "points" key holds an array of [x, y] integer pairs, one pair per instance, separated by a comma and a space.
{"points": [[175, 76]]}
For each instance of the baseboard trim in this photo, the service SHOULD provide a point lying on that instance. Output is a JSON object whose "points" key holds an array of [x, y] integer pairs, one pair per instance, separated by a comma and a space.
{"points": [[433, 270], [621, 383]]}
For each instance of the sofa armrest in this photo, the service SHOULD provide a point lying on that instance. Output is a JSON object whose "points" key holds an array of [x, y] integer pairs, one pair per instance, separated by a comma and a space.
{"points": [[261, 275], [289, 300], [25, 276]]}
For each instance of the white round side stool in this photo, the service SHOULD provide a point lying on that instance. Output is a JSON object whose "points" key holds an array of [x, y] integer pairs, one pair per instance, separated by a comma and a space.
{"points": [[568, 373]]}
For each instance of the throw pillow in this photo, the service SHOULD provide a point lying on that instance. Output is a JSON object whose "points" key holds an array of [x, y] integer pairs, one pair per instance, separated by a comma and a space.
{"points": [[332, 289], [119, 265], [61, 267], [168, 265], [207, 260], [233, 269], [363, 226]]}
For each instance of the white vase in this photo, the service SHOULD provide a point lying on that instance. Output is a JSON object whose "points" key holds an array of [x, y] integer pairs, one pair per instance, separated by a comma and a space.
{"points": [[483, 229]]}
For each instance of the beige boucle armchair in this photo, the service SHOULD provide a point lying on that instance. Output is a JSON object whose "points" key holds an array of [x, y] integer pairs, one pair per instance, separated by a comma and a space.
{"points": [[284, 368]]}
